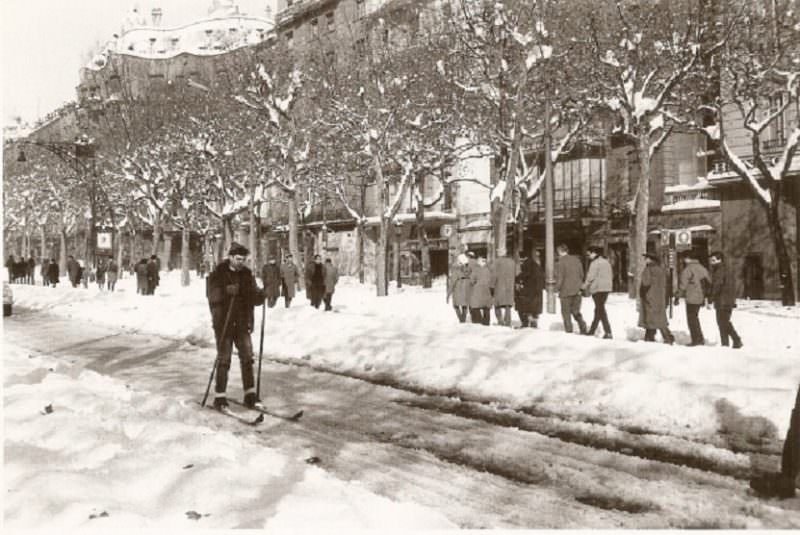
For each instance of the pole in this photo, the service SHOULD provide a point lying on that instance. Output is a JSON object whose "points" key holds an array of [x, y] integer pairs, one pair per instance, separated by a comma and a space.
{"points": [[549, 237], [261, 349], [219, 340]]}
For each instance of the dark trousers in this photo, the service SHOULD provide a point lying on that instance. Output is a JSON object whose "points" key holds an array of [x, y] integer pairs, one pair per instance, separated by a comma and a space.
{"points": [[480, 315], [327, 299], [271, 300], [527, 319], [693, 320], [726, 327], [244, 346], [315, 296], [650, 335], [600, 314], [571, 307], [287, 301], [503, 315], [461, 312]]}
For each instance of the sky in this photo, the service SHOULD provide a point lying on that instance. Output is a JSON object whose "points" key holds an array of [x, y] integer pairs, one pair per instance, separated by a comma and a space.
{"points": [[46, 42]]}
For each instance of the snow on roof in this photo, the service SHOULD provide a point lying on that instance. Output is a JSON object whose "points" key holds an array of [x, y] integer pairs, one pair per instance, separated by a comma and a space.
{"points": [[691, 204], [701, 184], [205, 37], [407, 217]]}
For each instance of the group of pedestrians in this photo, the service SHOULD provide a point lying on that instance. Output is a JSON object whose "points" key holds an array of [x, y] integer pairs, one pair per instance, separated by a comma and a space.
{"points": [[147, 277], [697, 287], [21, 270], [320, 279], [476, 287]]}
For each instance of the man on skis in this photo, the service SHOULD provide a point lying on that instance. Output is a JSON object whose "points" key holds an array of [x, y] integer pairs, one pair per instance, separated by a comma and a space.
{"points": [[232, 294]]}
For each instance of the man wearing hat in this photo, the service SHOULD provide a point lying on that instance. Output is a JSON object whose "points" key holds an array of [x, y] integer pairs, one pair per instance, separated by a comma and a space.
{"points": [[232, 294], [693, 286], [653, 297]]}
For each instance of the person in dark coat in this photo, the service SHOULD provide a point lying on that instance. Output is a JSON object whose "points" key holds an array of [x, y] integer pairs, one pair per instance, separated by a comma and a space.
{"points": [[288, 280], [331, 276], [141, 277], [480, 296], [100, 274], [111, 274], [569, 278], [232, 295], [31, 270], [529, 285], [43, 272], [315, 281], [653, 296], [152, 274], [73, 271], [10, 267], [271, 278], [459, 287], [502, 285], [723, 295], [52, 272]]}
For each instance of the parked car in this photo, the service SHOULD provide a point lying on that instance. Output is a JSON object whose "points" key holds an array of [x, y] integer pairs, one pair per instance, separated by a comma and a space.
{"points": [[8, 299]]}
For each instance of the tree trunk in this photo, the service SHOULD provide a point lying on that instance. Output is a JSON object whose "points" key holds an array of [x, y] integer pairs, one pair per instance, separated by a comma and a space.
{"points": [[396, 256], [293, 238], [185, 237], [120, 251], [786, 281], [424, 247], [43, 249], [639, 239], [62, 251], [227, 234], [360, 250], [380, 258], [156, 234], [166, 261], [252, 241]]}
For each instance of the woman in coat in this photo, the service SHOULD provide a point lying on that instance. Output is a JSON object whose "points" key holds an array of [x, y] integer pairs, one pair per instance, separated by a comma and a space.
{"points": [[112, 274], [459, 288], [480, 297], [528, 292], [653, 307], [52, 272]]}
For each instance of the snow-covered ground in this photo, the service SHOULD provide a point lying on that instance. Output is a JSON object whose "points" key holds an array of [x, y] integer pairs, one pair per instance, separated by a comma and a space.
{"points": [[410, 338]]}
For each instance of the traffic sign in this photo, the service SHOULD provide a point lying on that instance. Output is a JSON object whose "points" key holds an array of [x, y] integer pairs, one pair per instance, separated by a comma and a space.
{"points": [[446, 231], [665, 233]]}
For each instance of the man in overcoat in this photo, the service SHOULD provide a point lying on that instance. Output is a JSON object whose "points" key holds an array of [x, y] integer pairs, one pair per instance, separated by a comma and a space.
{"points": [[459, 288], [73, 271], [502, 285], [152, 274], [723, 295], [288, 280], [271, 277], [331, 276], [693, 285], [569, 278], [480, 297], [232, 294], [315, 281], [653, 301], [529, 288]]}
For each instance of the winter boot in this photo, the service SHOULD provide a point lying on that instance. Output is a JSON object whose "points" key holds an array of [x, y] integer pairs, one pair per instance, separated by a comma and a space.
{"points": [[607, 336], [220, 403], [250, 400]]}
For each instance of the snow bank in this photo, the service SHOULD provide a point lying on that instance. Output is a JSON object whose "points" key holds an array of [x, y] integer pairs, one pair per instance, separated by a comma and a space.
{"points": [[412, 338]]}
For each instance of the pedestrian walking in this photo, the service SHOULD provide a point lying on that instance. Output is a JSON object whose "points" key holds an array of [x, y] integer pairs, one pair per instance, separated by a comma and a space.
{"points": [[459, 288], [653, 301], [141, 277], [86, 274], [43, 272], [569, 278], [100, 275], [315, 281], [73, 271], [152, 274], [10, 262], [288, 280], [723, 295], [331, 274], [111, 274], [52, 272], [502, 287], [694, 285], [598, 284], [271, 278], [31, 270], [529, 285], [480, 296], [232, 295]]}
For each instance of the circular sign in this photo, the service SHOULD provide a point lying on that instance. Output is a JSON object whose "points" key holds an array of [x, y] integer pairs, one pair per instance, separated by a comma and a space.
{"points": [[446, 231], [683, 237]]}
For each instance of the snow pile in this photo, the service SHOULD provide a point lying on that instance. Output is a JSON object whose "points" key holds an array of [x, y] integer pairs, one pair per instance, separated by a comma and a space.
{"points": [[85, 450], [412, 338]]}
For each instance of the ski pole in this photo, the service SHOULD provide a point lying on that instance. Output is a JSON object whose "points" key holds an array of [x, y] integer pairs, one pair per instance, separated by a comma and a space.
{"points": [[261, 349], [219, 341]]}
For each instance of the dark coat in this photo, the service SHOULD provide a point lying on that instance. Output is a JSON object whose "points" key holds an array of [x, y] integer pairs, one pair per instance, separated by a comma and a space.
{"points": [[503, 272], [460, 285], [723, 287], [152, 273], [288, 279], [74, 270], [249, 296], [52, 272], [569, 276], [271, 277], [529, 288], [315, 277], [653, 294]]}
